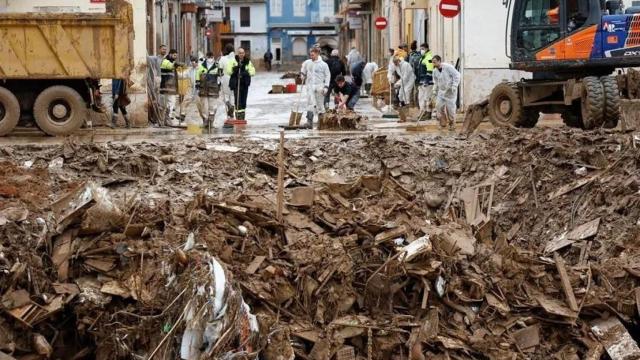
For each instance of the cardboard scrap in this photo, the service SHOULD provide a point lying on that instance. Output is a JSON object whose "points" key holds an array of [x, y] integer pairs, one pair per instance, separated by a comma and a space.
{"points": [[302, 196], [615, 338], [61, 255]]}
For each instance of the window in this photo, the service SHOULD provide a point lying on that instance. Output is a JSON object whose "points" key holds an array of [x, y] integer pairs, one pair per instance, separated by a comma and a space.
{"points": [[227, 13], [246, 45], [539, 24], [299, 8], [276, 7], [245, 16], [326, 9], [299, 47]]}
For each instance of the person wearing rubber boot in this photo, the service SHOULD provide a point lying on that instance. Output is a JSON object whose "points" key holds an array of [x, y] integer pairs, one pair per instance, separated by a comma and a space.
{"points": [[168, 83], [317, 77], [209, 74], [227, 95], [240, 70], [446, 80], [120, 102], [404, 85]]}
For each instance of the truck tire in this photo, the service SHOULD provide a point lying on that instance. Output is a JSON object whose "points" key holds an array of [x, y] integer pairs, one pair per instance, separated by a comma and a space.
{"points": [[9, 111], [505, 105], [593, 103], [59, 110], [611, 101]]}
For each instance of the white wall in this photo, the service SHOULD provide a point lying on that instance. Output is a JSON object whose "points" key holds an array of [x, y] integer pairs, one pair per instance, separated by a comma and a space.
{"points": [[258, 18], [259, 46]]}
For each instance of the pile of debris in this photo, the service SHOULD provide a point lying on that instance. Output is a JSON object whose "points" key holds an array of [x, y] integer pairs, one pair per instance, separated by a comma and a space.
{"points": [[387, 248], [342, 120]]}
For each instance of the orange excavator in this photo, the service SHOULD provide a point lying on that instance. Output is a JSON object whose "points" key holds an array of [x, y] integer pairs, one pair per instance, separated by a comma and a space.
{"points": [[571, 48]]}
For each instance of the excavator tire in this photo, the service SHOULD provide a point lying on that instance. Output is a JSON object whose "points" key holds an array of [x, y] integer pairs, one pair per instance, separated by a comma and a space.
{"points": [[59, 110], [572, 116], [505, 105], [611, 101], [9, 111], [593, 103]]}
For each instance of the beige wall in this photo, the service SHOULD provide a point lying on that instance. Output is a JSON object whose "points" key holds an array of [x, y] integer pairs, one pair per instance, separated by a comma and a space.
{"points": [[21, 6]]}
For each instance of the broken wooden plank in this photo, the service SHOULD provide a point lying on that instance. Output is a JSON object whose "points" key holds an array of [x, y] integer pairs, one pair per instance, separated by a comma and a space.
{"points": [[61, 255], [566, 282], [615, 338], [570, 187], [558, 242], [555, 307], [585, 230], [390, 234], [255, 265]]}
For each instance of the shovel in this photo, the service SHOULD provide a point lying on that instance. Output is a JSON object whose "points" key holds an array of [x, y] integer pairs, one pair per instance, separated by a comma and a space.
{"points": [[296, 116]]}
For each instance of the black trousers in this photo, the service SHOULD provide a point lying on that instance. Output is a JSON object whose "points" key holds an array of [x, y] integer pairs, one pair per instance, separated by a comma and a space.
{"points": [[241, 94], [116, 106]]}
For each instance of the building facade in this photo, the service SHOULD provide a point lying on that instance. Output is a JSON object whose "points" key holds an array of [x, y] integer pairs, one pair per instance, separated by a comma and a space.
{"points": [[294, 26], [245, 26]]}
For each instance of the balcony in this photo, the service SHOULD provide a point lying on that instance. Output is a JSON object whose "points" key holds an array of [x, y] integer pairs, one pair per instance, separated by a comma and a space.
{"points": [[227, 27]]}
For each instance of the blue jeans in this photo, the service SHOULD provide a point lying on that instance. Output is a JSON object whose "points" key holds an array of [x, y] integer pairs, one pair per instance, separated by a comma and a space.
{"points": [[354, 99]]}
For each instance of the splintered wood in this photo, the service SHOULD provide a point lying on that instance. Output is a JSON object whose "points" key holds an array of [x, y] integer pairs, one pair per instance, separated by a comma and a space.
{"points": [[338, 120]]}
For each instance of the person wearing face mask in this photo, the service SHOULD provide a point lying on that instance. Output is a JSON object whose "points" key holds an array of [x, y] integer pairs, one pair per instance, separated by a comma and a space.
{"points": [[192, 96], [209, 74], [446, 80], [424, 80]]}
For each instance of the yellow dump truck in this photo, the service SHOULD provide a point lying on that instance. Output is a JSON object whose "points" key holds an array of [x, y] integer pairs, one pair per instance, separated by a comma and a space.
{"points": [[51, 65]]}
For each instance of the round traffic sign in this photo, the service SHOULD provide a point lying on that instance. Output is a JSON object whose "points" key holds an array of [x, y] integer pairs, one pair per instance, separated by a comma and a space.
{"points": [[381, 23], [449, 8]]}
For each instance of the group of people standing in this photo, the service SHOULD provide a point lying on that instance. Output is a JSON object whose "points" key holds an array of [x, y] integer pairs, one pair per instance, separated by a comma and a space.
{"points": [[423, 78], [214, 82]]}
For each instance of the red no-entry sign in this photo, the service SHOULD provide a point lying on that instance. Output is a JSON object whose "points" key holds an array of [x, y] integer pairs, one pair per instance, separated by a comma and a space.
{"points": [[449, 8], [381, 23]]}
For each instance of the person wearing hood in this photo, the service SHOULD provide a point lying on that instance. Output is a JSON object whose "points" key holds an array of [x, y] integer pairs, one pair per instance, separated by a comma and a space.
{"points": [[227, 94], [336, 67], [209, 74], [316, 76], [446, 80], [240, 70], [367, 74], [406, 80]]}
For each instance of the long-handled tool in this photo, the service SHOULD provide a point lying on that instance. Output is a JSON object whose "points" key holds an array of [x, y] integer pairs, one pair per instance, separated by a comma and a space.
{"points": [[296, 116]]}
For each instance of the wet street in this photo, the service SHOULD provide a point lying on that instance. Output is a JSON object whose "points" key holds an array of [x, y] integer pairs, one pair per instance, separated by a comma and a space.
{"points": [[267, 114]]}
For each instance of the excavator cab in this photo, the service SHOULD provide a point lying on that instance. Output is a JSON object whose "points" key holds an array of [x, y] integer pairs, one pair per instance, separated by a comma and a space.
{"points": [[562, 36]]}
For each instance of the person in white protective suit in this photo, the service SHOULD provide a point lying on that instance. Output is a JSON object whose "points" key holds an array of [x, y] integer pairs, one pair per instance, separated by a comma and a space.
{"points": [[402, 79], [227, 93], [446, 80], [316, 76], [367, 75]]}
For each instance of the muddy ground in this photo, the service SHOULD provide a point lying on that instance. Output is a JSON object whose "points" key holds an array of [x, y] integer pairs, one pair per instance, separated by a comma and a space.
{"points": [[503, 246]]}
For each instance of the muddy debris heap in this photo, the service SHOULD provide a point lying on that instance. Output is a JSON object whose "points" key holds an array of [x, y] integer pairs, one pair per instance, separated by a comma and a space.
{"points": [[512, 246]]}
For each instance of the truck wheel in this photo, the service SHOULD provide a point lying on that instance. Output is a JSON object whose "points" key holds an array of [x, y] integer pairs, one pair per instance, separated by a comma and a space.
{"points": [[593, 103], [611, 101], [505, 105], [59, 110], [572, 116], [9, 111]]}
